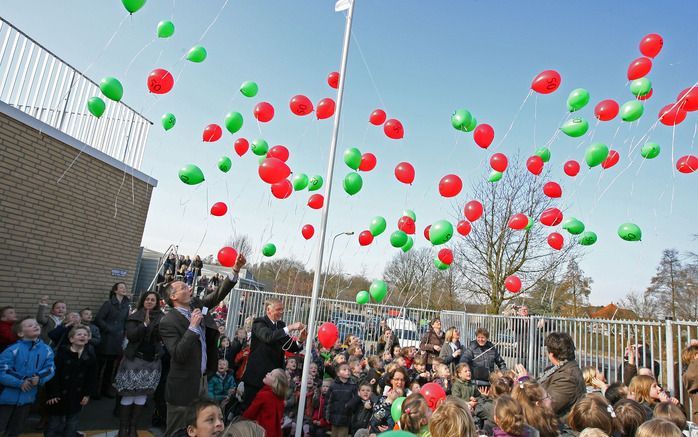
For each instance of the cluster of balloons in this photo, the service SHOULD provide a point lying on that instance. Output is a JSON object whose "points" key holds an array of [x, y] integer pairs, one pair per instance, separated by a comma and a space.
{"points": [[377, 291], [356, 161], [463, 120], [392, 128], [112, 89], [444, 259]]}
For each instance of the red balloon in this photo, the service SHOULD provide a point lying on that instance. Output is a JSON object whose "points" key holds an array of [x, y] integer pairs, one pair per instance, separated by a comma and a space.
{"points": [[241, 146], [426, 233], [689, 99], [546, 82], [279, 152], [572, 168], [273, 170], [551, 217], [377, 117], [639, 68], [316, 201], [333, 79], [308, 231], [611, 159], [651, 45], [464, 227], [450, 185], [368, 162], [556, 240], [227, 256], [518, 222], [513, 283], [301, 105], [404, 172], [282, 189], [433, 393], [672, 114], [327, 335], [446, 256], [393, 129], [499, 162], [212, 133], [160, 81], [406, 225], [219, 209], [552, 189], [365, 238], [687, 164], [473, 210], [325, 108], [483, 135], [534, 164], [264, 112], [606, 110], [646, 96]]}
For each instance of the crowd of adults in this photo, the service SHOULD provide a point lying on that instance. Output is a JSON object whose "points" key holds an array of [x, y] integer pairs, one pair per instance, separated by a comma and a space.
{"points": [[170, 348]]}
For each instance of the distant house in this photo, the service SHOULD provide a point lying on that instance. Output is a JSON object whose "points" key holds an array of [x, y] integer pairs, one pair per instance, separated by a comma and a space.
{"points": [[613, 312]]}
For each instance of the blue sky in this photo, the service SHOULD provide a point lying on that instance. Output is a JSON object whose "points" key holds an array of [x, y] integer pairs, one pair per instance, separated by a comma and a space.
{"points": [[419, 61]]}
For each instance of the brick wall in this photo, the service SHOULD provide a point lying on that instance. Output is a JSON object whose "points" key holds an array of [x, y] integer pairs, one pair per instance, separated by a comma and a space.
{"points": [[63, 239]]}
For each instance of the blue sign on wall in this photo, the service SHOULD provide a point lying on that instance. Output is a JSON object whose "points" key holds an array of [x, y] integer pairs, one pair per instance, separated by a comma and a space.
{"points": [[118, 272]]}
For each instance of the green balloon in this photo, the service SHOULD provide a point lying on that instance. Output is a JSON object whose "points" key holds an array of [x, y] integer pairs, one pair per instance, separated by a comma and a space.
{"points": [[352, 158], [461, 119], [315, 183], [573, 226], [396, 409], [362, 297], [440, 232], [96, 106], [353, 183], [233, 122], [378, 290], [575, 127], [191, 174], [640, 87], [472, 125], [587, 238], [224, 164], [495, 176], [396, 433], [398, 239], [439, 264], [269, 249], [377, 226], [544, 153], [596, 154], [630, 232], [249, 88], [529, 225], [300, 181], [259, 147], [577, 99], [650, 150], [632, 110], [112, 88], [168, 120], [407, 246], [133, 5], [165, 29], [197, 54], [409, 213]]}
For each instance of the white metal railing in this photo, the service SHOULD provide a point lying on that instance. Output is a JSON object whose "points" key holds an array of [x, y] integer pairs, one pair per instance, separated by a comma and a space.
{"points": [[39, 83]]}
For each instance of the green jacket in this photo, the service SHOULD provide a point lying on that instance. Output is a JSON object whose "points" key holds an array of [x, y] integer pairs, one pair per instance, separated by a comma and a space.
{"points": [[464, 390]]}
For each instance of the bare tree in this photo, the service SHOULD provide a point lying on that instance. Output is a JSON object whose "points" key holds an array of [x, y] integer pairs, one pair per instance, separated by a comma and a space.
{"points": [[242, 244], [575, 288], [673, 289], [640, 303], [493, 251], [408, 276]]}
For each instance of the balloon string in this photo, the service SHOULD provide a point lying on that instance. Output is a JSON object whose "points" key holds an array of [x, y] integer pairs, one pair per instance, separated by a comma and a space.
{"points": [[205, 221], [535, 119], [130, 64], [368, 70], [104, 49], [514, 120], [693, 139], [116, 198], [73, 162], [214, 20]]}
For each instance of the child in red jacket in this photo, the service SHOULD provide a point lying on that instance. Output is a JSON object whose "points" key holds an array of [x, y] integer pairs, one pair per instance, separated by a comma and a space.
{"points": [[267, 408]]}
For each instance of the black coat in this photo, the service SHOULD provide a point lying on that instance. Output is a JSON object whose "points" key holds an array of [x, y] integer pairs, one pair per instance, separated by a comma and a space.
{"points": [[266, 350], [360, 415], [111, 320], [143, 340], [339, 397], [75, 378], [184, 347], [482, 360]]}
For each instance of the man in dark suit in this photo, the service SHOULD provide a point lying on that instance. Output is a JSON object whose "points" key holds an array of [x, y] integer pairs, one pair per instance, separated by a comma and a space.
{"points": [[190, 336], [270, 338]]}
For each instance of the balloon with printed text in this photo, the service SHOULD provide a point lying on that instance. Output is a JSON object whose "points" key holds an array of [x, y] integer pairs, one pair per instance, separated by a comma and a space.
{"points": [[546, 82], [393, 129], [160, 81], [301, 105]]}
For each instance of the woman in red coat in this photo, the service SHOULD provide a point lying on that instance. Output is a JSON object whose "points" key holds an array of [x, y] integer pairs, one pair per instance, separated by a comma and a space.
{"points": [[267, 408]]}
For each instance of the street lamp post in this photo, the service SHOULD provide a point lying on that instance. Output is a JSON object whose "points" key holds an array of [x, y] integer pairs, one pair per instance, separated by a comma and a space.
{"points": [[329, 260]]}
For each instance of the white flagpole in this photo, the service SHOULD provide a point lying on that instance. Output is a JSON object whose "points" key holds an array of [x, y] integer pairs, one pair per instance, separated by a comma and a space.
{"points": [[323, 228]]}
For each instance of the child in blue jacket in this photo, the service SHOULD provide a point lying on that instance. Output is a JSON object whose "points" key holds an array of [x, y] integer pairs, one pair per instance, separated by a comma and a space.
{"points": [[24, 366]]}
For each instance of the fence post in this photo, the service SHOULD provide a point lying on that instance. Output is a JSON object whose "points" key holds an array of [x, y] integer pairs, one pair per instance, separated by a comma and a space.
{"points": [[669, 344], [531, 344]]}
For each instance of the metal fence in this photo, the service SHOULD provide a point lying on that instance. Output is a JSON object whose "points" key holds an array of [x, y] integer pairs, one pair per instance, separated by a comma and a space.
{"points": [[599, 342], [35, 81]]}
